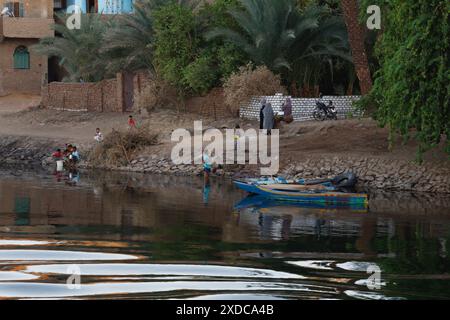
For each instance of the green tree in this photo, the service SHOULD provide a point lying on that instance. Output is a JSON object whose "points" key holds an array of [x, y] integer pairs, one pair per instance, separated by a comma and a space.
{"points": [[200, 75], [79, 50], [295, 42], [129, 45], [224, 57], [175, 42], [411, 89]]}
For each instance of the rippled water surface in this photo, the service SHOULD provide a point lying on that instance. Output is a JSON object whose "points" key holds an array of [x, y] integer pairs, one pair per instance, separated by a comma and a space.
{"points": [[158, 237]]}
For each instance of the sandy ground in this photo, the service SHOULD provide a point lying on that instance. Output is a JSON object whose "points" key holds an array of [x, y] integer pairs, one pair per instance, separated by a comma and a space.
{"points": [[19, 115]]}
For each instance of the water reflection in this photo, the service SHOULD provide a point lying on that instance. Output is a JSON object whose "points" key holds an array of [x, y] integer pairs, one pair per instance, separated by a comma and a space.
{"points": [[152, 236]]}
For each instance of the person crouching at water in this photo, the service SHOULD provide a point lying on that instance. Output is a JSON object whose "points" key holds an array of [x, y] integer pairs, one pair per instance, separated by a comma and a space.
{"points": [[68, 150], [58, 155], [75, 156]]}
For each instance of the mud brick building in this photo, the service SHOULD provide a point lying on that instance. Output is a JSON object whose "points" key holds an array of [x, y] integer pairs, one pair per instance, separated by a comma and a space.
{"points": [[22, 70]]}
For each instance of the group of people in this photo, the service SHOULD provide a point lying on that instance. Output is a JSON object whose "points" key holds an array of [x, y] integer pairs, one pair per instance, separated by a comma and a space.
{"points": [[70, 155], [267, 118]]}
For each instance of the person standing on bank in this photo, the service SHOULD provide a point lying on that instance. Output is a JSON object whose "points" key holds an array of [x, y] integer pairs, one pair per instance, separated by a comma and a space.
{"points": [[261, 113], [287, 110], [268, 118]]}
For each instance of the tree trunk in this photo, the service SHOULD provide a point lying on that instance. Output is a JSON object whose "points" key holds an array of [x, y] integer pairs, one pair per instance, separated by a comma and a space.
{"points": [[356, 38]]}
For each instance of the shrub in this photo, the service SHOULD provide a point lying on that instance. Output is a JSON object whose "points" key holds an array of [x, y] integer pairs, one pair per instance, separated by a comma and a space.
{"points": [[175, 42], [200, 75], [249, 82], [411, 89], [119, 148], [157, 94]]}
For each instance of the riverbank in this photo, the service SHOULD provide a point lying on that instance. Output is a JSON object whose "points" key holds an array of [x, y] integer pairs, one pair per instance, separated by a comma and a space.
{"points": [[307, 149]]}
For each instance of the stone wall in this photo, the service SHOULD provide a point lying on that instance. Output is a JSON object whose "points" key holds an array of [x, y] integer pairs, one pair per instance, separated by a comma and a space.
{"points": [[376, 173], [302, 108]]}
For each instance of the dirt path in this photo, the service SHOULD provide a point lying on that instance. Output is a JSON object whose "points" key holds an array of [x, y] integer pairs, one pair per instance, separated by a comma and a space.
{"points": [[355, 137]]}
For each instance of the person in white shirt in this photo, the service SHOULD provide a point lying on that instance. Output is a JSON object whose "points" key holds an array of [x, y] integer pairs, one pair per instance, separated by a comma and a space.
{"points": [[98, 135]]}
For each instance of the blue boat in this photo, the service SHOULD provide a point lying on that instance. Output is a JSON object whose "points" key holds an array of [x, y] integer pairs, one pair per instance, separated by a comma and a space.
{"points": [[320, 193]]}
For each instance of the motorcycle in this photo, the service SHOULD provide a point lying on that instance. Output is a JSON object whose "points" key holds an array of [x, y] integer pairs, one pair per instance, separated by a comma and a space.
{"points": [[324, 112]]}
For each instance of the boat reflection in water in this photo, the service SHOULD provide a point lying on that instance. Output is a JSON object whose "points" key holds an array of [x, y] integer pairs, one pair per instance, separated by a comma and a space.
{"points": [[277, 219], [156, 237]]}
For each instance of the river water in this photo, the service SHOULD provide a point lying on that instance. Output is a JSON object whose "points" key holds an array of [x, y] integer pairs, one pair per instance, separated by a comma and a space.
{"points": [[104, 235]]}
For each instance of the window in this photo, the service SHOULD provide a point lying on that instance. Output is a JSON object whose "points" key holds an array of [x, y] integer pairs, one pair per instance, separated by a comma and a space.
{"points": [[16, 8], [59, 4], [21, 58]]}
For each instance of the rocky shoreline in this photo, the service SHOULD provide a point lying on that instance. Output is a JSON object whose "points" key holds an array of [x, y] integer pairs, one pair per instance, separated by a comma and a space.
{"points": [[373, 173]]}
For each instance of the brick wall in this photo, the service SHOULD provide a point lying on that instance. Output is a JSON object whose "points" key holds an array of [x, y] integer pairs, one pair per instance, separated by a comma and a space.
{"points": [[92, 97], [103, 96], [302, 108], [26, 28]]}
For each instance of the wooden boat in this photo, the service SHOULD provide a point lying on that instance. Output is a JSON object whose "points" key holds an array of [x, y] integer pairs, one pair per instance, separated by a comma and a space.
{"points": [[319, 193], [343, 180]]}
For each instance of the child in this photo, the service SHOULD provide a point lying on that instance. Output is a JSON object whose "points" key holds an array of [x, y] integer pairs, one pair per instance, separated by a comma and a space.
{"points": [[68, 151], [98, 135], [131, 122], [207, 166], [75, 156], [57, 155], [238, 134]]}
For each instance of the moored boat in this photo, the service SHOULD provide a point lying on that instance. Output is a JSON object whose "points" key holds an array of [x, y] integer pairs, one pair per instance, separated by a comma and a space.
{"points": [[319, 193]]}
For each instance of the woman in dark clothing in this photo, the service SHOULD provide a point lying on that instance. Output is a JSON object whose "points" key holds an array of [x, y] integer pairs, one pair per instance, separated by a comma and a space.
{"points": [[287, 110], [261, 114]]}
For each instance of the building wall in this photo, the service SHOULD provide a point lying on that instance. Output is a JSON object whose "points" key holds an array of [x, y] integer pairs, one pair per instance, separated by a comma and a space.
{"points": [[28, 80], [18, 80], [34, 8], [104, 6]]}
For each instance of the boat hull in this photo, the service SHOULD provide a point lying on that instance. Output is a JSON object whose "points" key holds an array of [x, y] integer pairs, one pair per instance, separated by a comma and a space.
{"points": [[322, 196]]}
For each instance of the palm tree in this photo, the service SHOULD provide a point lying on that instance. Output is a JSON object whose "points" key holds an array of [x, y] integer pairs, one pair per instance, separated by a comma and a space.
{"points": [[319, 50], [297, 43], [268, 29], [79, 49], [356, 38], [129, 45]]}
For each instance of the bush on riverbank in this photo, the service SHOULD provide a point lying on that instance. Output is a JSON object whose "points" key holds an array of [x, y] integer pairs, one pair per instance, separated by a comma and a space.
{"points": [[250, 82], [119, 148]]}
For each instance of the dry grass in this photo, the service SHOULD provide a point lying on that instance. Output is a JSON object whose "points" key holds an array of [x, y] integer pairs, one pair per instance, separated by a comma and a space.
{"points": [[120, 147], [249, 82]]}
